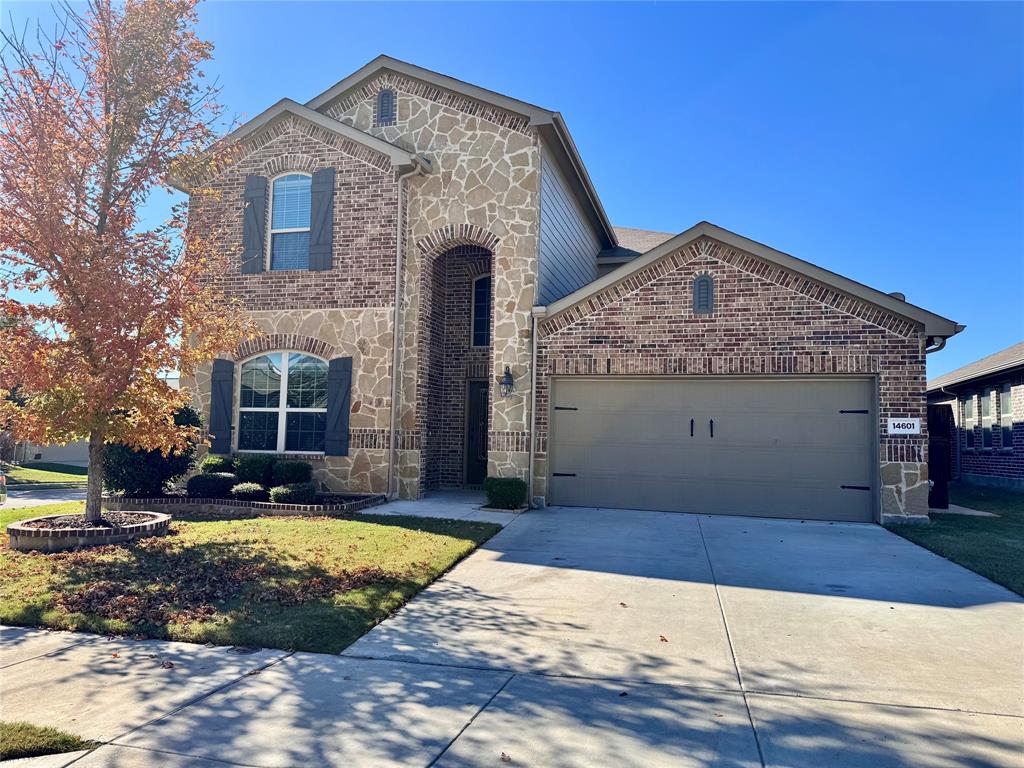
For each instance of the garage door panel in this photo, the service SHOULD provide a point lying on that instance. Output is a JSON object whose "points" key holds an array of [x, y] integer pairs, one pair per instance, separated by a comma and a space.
{"points": [[780, 447]]}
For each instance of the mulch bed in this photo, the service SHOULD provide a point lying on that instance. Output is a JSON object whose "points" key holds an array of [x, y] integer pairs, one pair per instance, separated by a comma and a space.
{"points": [[109, 520]]}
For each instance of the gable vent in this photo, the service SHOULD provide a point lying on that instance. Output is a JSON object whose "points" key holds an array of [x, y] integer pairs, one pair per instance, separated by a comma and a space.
{"points": [[703, 295], [386, 107]]}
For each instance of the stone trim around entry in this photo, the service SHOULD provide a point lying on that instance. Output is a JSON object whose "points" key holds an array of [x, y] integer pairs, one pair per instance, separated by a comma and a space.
{"points": [[290, 341]]}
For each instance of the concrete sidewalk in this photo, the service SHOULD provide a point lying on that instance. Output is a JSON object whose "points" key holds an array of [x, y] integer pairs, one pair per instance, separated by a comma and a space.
{"points": [[583, 637]]}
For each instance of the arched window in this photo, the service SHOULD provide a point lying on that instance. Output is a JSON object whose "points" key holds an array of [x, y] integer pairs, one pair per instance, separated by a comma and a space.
{"points": [[290, 197], [703, 295], [481, 324], [386, 107], [282, 403]]}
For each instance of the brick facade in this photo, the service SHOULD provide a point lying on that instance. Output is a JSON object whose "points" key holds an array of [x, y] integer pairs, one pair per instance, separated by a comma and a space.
{"points": [[767, 322], [1001, 464]]}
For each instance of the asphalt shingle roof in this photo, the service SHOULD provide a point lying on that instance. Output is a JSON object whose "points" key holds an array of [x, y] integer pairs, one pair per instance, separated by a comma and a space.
{"points": [[1003, 360], [641, 240]]}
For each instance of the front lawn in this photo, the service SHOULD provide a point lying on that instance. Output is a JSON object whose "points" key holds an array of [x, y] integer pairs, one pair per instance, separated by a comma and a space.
{"points": [[991, 546], [43, 472], [26, 740], [311, 584]]}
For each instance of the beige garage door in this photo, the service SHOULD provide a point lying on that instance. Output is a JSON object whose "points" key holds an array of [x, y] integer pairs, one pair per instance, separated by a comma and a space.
{"points": [[798, 448]]}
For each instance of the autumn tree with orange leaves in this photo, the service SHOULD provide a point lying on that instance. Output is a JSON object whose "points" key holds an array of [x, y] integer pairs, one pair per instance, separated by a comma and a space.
{"points": [[93, 117]]}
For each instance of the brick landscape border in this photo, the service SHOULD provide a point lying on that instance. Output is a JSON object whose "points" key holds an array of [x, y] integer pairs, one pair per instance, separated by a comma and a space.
{"points": [[185, 505], [25, 538]]}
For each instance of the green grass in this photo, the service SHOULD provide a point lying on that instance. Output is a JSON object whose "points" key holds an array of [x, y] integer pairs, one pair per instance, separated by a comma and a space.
{"points": [[43, 472], [312, 584], [27, 740], [991, 546]]}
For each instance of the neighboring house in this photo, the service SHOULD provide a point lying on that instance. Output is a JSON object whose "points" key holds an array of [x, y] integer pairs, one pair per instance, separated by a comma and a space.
{"points": [[986, 433], [700, 372], [75, 454]]}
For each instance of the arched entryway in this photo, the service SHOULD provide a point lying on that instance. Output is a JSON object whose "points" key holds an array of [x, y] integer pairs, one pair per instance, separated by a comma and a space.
{"points": [[456, 323]]}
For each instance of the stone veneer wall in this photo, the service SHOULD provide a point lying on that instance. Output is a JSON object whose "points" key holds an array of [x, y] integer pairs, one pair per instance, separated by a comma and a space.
{"points": [[767, 321], [483, 191]]}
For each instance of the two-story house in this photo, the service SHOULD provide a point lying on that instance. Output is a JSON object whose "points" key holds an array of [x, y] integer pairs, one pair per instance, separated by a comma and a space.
{"points": [[443, 298]]}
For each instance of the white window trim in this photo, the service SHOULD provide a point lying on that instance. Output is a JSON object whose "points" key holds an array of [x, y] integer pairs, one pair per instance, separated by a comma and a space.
{"points": [[1005, 412], [472, 313], [282, 410], [973, 421], [268, 256]]}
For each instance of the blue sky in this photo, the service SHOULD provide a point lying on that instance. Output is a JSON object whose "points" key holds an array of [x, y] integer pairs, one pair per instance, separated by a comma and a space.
{"points": [[882, 141]]}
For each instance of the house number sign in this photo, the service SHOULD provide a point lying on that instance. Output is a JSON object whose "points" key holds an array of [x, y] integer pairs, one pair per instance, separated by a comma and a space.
{"points": [[904, 426]]}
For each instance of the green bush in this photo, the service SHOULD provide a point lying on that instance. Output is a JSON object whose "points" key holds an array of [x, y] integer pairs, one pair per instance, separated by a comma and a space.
{"points": [[256, 468], [505, 492], [294, 493], [250, 492], [148, 473], [215, 485], [211, 464], [291, 472]]}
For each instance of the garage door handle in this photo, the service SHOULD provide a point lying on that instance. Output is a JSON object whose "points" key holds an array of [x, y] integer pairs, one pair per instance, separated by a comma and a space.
{"points": [[691, 427], [855, 487], [711, 426]]}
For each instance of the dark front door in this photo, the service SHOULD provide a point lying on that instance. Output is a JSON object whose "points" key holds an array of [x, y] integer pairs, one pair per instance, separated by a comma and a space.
{"points": [[476, 432]]}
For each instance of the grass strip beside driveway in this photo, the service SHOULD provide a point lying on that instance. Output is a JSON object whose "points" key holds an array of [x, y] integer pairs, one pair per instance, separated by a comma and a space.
{"points": [[43, 472], [991, 546], [310, 584], [18, 740]]}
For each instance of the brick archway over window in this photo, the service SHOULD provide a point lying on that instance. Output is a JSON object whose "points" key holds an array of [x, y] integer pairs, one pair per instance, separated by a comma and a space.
{"points": [[446, 238], [294, 162], [290, 341]]}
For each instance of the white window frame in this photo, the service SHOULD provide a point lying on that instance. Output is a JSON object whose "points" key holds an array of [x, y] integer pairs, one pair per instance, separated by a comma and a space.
{"points": [[268, 257], [472, 313], [282, 410], [971, 422], [1006, 413]]}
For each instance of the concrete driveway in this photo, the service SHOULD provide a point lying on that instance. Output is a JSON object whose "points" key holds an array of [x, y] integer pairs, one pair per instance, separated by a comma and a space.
{"points": [[583, 637]]}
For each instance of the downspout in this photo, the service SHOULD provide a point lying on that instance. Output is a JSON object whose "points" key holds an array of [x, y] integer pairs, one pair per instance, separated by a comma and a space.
{"points": [[420, 166], [537, 314]]}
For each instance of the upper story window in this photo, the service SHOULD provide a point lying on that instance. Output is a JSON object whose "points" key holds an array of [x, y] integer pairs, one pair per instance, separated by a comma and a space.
{"points": [[703, 295], [1006, 415], [481, 324], [386, 107], [969, 421], [290, 198], [282, 403]]}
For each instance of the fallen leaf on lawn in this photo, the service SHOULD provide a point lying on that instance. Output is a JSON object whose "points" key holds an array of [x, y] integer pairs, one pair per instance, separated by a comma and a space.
{"points": [[663, 638], [115, 655]]}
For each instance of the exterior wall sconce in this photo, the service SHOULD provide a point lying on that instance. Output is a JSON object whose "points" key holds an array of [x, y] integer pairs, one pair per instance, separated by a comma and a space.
{"points": [[507, 383]]}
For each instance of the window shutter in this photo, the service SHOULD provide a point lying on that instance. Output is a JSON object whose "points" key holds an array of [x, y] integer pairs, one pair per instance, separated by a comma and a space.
{"points": [[254, 224], [339, 403], [321, 219], [222, 382]]}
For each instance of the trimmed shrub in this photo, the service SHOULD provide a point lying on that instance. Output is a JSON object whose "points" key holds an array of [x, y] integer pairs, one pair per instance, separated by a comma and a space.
{"points": [[211, 464], [291, 472], [505, 492], [256, 468], [250, 492], [215, 485], [148, 473], [294, 493]]}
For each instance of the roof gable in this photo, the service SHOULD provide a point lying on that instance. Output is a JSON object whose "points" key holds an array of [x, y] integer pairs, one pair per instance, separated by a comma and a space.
{"points": [[549, 124], [934, 325], [285, 108]]}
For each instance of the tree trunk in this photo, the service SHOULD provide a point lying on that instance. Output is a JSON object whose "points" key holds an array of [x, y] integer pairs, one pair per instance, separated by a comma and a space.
{"points": [[94, 489]]}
